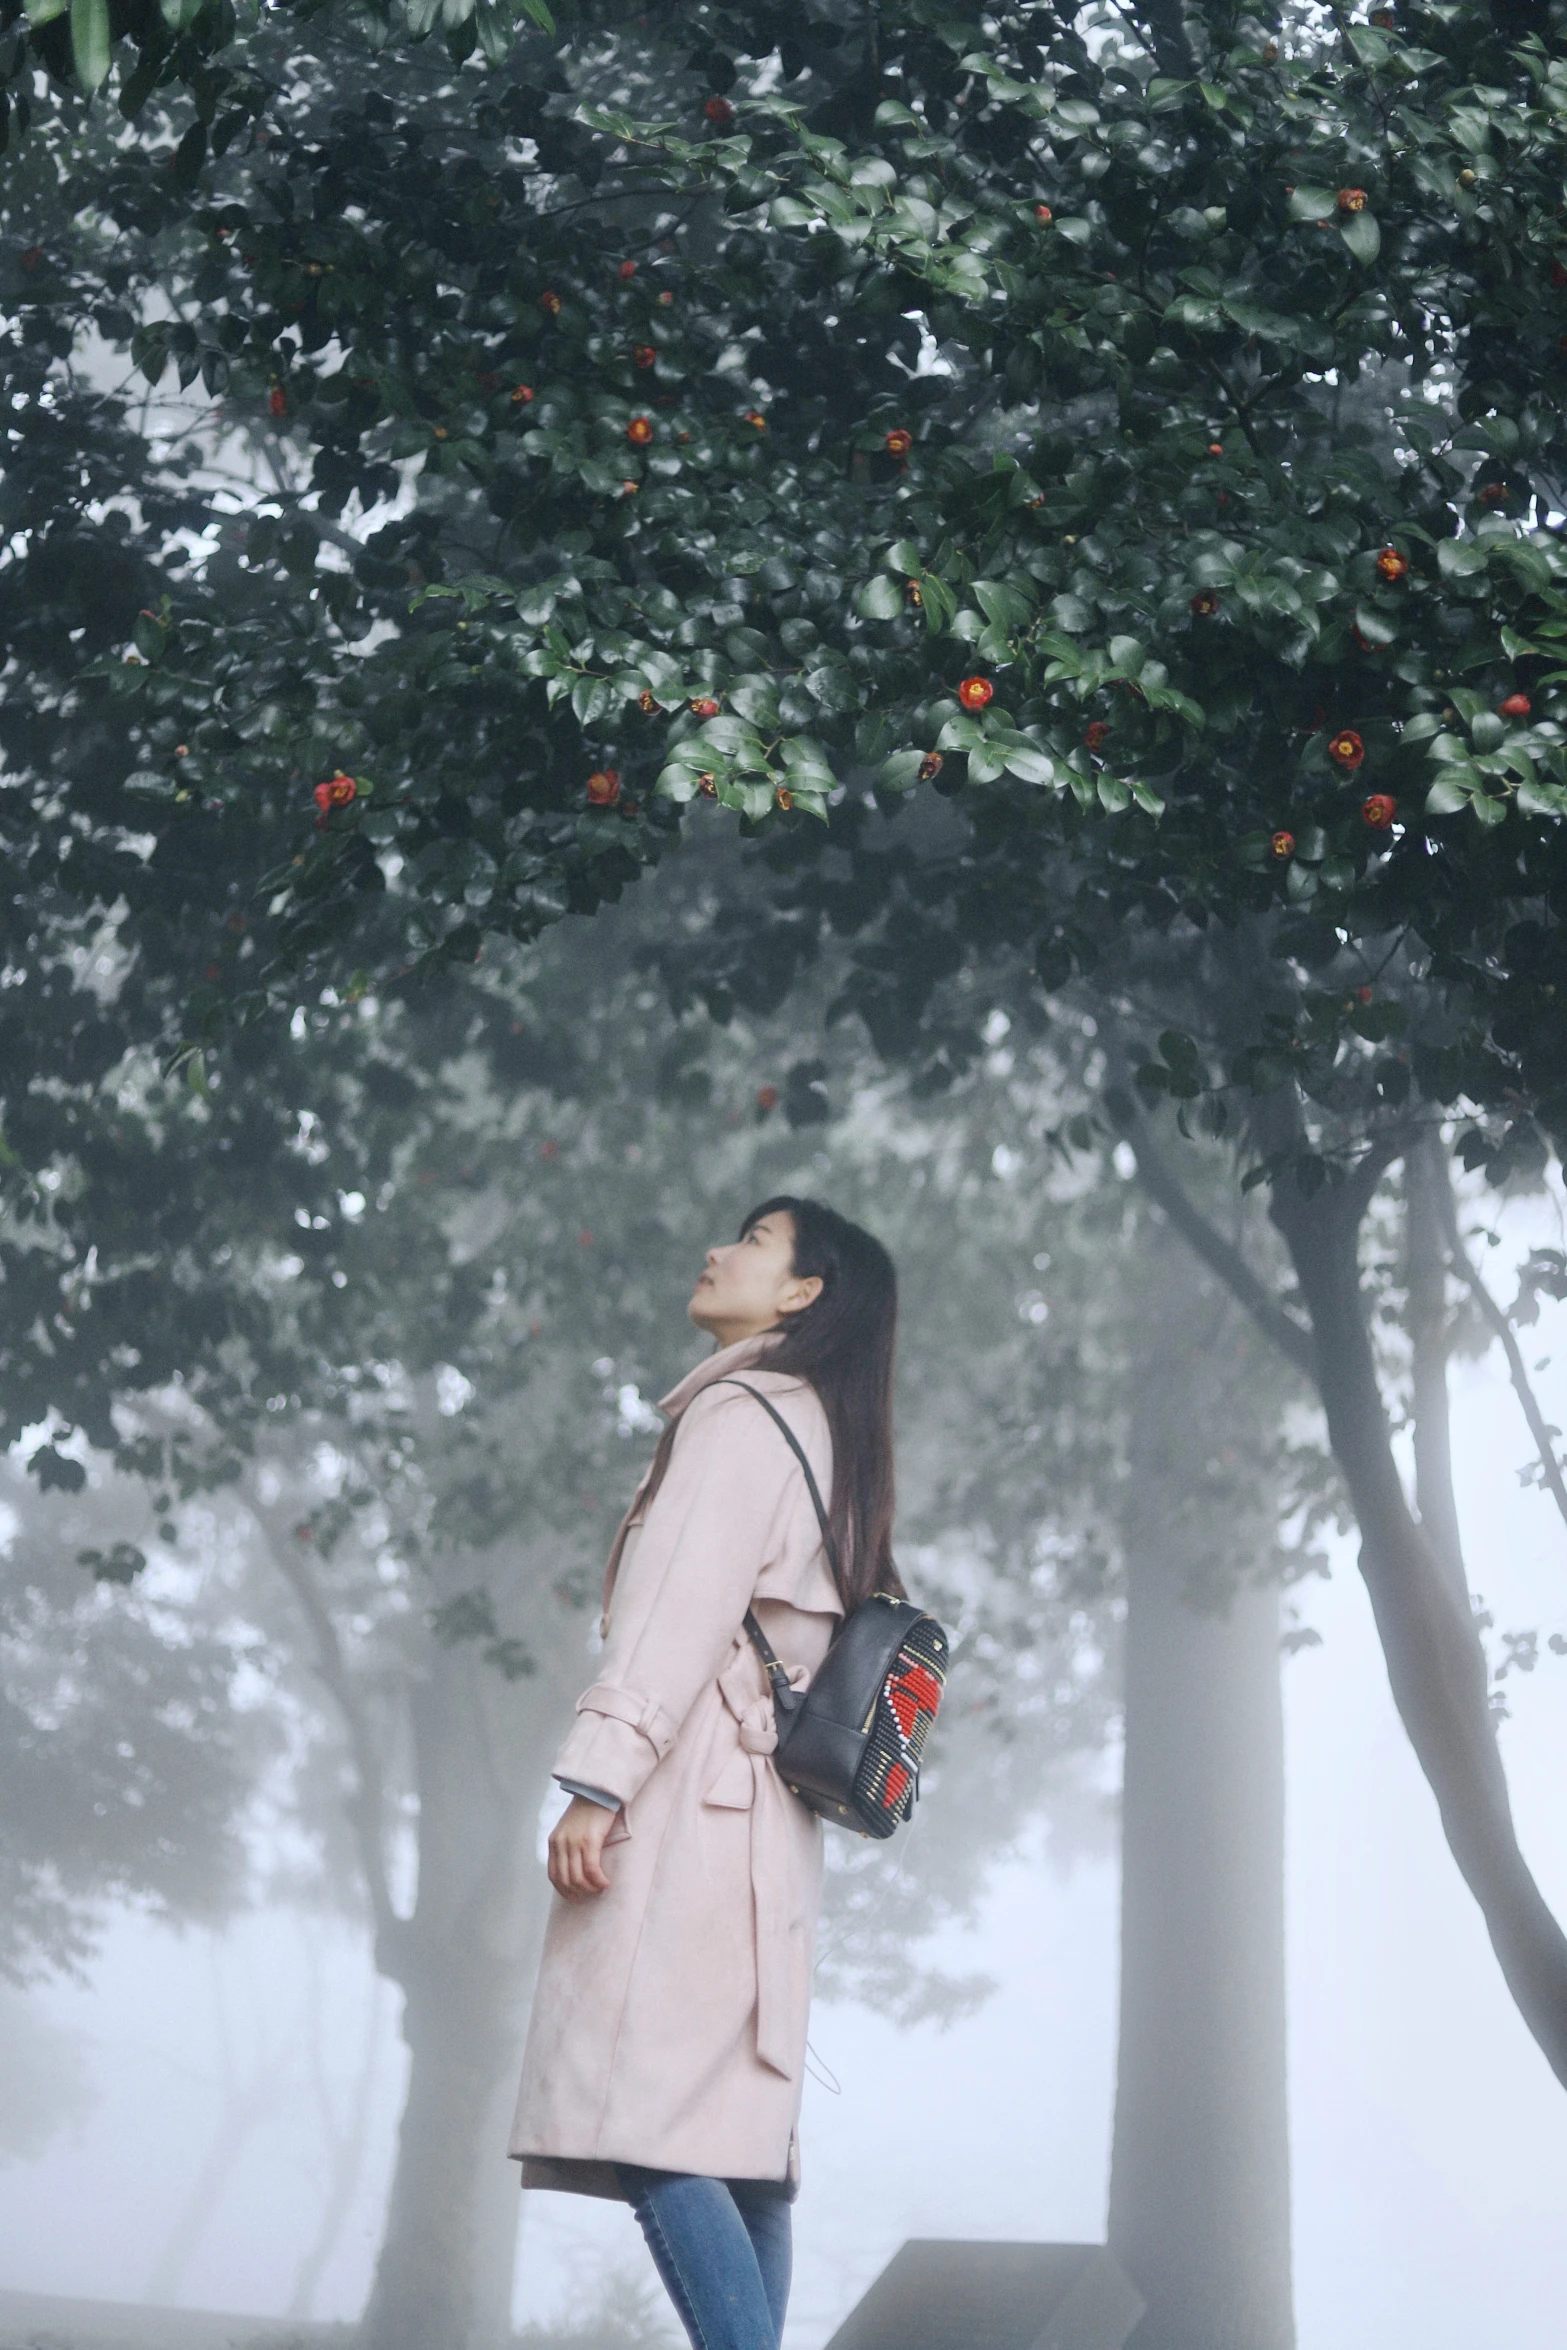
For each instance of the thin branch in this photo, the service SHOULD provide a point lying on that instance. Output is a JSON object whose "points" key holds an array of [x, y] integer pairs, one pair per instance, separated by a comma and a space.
{"points": [[367, 1805], [1221, 1256], [1502, 1328]]}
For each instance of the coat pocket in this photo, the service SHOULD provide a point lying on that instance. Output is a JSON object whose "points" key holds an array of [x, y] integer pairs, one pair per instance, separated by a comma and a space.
{"points": [[734, 1788]]}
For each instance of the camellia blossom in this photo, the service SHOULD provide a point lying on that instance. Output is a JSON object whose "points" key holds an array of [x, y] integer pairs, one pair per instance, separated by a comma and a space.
{"points": [[604, 787], [640, 431], [1346, 748], [1352, 199], [1096, 734], [784, 796], [1379, 810], [719, 112], [931, 766], [337, 793], [705, 707], [975, 692], [1391, 564], [1515, 706], [899, 442], [1283, 844], [1205, 603]]}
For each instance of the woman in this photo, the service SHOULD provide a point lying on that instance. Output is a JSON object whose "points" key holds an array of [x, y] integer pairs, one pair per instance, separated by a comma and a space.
{"points": [[666, 2052]]}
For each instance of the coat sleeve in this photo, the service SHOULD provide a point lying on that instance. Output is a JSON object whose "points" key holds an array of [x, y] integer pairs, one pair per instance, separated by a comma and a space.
{"points": [[682, 1594]]}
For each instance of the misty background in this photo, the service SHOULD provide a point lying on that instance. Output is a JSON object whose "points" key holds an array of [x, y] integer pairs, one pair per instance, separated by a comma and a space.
{"points": [[205, 2066]]}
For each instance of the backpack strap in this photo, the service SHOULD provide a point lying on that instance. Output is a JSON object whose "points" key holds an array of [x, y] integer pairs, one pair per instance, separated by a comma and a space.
{"points": [[785, 1698]]}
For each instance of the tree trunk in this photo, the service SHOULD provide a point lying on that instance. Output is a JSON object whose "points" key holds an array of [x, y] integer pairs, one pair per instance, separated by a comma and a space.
{"points": [[465, 1961], [1199, 2181], [1436, 1664], [1426, 1279]]}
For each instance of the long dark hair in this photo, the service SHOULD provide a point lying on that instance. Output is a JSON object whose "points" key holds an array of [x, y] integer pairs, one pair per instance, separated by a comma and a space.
{"points": [[842, 1345]]}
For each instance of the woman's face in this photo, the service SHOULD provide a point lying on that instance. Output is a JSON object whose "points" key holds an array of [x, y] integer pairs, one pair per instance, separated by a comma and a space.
{"points": [[750, 1285]]}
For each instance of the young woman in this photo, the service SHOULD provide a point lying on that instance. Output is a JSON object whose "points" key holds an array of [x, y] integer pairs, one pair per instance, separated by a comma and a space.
{"points": [[666, 2052]]}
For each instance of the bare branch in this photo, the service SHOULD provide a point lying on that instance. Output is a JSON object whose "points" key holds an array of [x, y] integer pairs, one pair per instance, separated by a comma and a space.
{"points": [[367, 1805], [1497, 1321], [1221, 1256]]}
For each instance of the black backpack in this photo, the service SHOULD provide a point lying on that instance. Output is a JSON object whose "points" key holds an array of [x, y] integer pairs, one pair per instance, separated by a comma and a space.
{"points": [[850, 1746]]}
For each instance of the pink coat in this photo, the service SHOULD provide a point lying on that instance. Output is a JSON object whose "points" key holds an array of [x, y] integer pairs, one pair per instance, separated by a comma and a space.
{"points": [[669, 2022]]}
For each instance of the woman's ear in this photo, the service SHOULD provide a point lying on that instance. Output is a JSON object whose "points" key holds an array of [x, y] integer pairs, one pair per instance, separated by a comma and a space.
{"points": [[801, 1294]]}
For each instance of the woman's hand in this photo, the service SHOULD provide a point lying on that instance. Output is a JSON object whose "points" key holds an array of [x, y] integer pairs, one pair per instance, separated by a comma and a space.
{"points": [[576, 1849]]}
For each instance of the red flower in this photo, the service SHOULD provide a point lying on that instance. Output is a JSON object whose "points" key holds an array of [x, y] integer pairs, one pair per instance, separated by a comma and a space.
{"points": [[604, 787], [277, 401], [1515, 706], [629, 489], [627, 269], [899, 442], [1096, 734], [550, 302], [1392, 564], [336, 794], [640, 431], [32, 257], [1216, 448], [1352, 199], [719, 112], [784, 796], [931, 766], [1205, 603], [915, 593], [1362, 995], [646, 704], [1378, 811], [767, 1097], [1559, 273], [975, 692], [521, 395], [1283, 844], [1364, 642], [1043, 212], [707, 786], [705, 707], [1346, 749], [645, 355], [755, 417], [665, 298]]}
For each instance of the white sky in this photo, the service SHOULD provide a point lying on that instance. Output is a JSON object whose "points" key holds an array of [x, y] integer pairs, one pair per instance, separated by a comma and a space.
{"points": [[1430, 2141]]}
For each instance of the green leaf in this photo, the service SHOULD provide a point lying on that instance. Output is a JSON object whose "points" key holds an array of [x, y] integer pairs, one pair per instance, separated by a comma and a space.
{"points": [[880, 598], [90, 42], [1361, 234], [42, 12], [1312, 203], [1446, 797], [901, 772], [1460, 558]]}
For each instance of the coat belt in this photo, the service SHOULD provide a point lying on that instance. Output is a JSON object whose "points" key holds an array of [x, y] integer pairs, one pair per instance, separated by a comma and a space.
{"points": [[778, 1927]]}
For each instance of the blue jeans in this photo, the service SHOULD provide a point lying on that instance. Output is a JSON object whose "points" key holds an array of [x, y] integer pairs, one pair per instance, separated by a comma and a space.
{"points": [[722, 2247]]}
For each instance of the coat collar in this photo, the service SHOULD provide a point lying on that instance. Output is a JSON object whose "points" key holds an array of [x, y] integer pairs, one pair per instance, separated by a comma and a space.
{"points": [[742, 1356]]}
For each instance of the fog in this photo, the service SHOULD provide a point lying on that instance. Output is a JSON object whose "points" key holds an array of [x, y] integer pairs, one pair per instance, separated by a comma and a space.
{"points": [[1428, 2140]]}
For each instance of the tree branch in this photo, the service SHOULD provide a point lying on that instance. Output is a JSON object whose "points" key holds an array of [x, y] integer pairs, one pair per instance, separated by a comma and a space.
{"points": [[367, 1805], [1501, 1327], [1159, 1179]]}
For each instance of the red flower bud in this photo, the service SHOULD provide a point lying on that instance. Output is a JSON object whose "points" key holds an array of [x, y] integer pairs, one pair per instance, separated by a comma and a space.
{"points": [[931, 766], [1042, 212], [549, 301], [277, 401], [767, 1097], [1515, 706], [1283, 844], [1216, 448], [521, 395], [645, 355], [719, 113], [784, 796], [1346, 749], [1096, 734], [627, 270], [975, 692], [754, 416]]}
